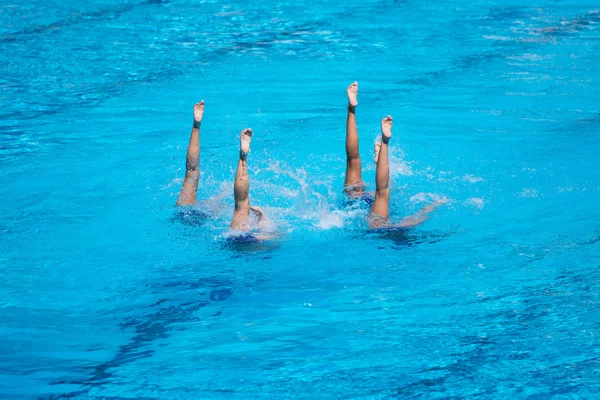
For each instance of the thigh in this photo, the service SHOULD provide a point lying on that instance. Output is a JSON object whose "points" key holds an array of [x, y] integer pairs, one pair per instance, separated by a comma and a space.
{"points": [[353, 171], [241, 219], [355, 190], [187, 196], [381, 205]]}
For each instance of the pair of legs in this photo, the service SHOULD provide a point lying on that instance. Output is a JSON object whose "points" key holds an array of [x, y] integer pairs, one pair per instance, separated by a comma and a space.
{"points": [[241, 187], [355, 186]]}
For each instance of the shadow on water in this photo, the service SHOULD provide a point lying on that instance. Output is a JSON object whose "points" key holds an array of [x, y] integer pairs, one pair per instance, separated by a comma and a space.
{"points": [[106, 14], [574, 25], [247, 245], [522, 315], [406, 238], [500, 49], [186, 298], [190, 216]]}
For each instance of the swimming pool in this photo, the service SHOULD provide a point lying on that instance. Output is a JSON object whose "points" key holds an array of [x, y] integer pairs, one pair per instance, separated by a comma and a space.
{"points": [[106, 294]]}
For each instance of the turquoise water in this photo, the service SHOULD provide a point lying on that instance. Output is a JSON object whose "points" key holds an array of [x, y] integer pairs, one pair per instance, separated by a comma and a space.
{"points": [[106, 294]]}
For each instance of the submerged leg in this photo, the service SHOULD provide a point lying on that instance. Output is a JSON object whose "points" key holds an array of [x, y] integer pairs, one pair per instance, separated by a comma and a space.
{"points": [[187, 195], [241, 187], [353, 167], [380, 209], [420, 217]]}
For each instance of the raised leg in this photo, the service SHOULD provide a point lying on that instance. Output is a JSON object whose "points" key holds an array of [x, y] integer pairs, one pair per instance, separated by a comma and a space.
{"points": [[187, 196], [353, 168], [241, 186], [380, 209]]}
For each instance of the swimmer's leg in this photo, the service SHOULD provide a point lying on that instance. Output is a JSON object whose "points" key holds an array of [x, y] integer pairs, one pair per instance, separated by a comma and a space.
{"points": [[187, 195], [420, 217], [241, 187], [380, 209], [353, 167]]}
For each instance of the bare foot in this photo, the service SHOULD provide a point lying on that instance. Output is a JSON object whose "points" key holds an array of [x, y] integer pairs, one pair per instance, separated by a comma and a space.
{"points": [[245, 138], [377, 145], [386, 128], [352, 94], [198, 112]]}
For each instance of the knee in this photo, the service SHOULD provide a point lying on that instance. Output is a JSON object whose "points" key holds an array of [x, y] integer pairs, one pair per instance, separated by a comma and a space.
{"points": [[192, 174], [385, 193], [191, 166]]}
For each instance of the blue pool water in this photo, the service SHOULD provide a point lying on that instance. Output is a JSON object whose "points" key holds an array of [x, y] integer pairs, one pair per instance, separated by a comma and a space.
{"points": [[106, 293]]}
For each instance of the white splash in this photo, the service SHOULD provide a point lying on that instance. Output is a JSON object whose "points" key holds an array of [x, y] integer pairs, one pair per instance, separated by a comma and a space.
{"points": [[528, 193], [472, 178], [476, 202], [423, 197]]}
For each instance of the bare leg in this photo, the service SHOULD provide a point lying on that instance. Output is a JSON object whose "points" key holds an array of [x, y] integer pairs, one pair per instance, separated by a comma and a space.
{"points": [[187, 195], [380, 209], [241, 187], [353, 167], [420, 217]]}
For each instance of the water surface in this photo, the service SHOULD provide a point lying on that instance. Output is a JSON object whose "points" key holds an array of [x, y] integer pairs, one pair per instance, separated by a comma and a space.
{"points": [[106, 293]]}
